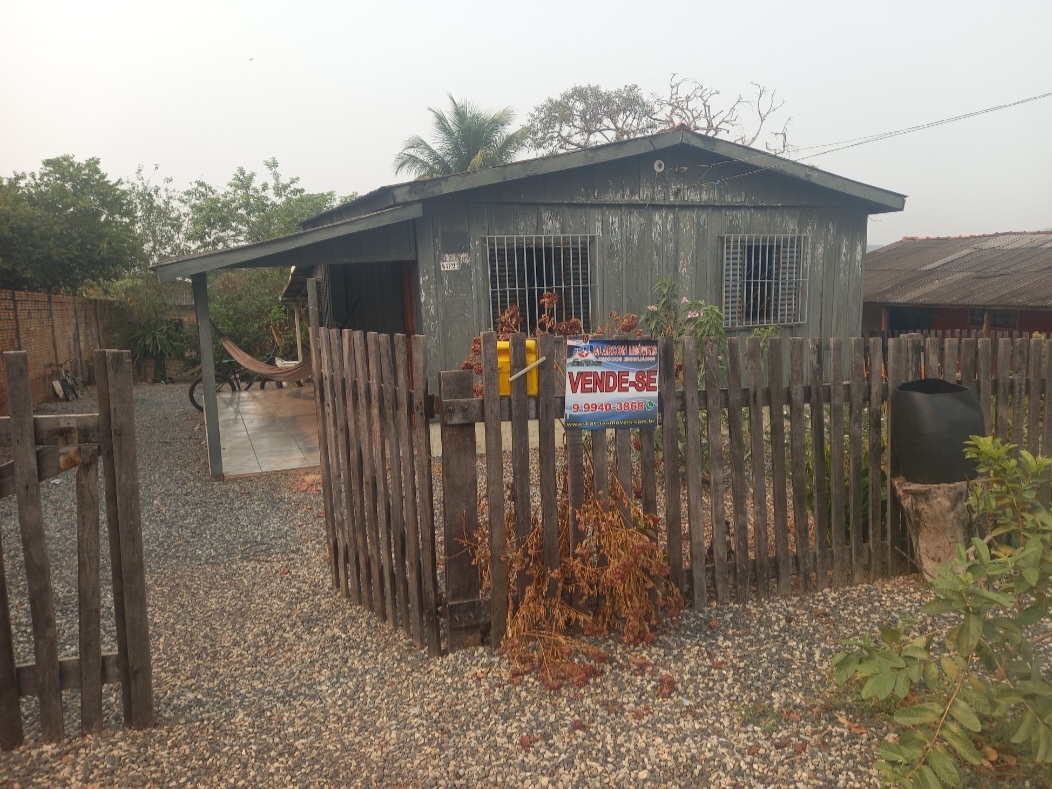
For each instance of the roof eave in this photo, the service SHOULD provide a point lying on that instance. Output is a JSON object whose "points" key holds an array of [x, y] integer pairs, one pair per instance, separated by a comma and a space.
{"points": [[254, 254]]}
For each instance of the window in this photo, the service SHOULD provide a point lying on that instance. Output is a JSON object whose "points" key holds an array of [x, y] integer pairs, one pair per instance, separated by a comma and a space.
{"points": [[764, 280], [523, 268]]}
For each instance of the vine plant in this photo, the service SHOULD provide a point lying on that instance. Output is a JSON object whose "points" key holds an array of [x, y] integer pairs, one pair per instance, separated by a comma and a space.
{"points": [[960, 688]]}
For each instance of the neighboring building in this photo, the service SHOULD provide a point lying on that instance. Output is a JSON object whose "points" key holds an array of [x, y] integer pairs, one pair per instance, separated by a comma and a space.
{"points": [[986, 283], [771, 241]]}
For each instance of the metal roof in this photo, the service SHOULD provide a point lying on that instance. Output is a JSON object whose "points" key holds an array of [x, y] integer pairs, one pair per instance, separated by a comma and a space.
{"points": [[997, 270], [876, 200]]}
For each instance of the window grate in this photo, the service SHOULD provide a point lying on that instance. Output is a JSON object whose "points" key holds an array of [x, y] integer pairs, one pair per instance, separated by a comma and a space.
{"points": [[523, 268], [764, 280]]}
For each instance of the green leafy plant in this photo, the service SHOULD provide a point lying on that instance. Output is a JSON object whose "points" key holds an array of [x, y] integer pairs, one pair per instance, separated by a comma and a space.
{"points": [[973, 689]]}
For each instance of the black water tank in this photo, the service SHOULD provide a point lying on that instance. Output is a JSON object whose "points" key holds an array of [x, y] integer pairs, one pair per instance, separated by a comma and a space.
{"points": [[930, 421]]}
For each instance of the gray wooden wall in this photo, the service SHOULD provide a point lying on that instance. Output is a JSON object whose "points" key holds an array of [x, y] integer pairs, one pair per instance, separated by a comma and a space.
{"points": [[648, 225]]}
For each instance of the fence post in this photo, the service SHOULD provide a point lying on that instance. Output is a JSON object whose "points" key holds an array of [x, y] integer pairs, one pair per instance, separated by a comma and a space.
{"points": [[120, 464], [34, 549], [11, 734], [460, 510]]}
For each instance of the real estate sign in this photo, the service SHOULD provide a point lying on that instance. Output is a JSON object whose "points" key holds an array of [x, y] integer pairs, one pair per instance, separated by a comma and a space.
{"points": [[611, 383]]}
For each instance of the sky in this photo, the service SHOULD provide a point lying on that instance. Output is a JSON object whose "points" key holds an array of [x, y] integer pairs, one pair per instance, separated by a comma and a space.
{"points": [[333, 89]]}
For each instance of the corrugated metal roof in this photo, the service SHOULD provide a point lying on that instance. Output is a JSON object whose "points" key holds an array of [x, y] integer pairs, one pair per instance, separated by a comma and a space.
{"points": [[996, 270]]}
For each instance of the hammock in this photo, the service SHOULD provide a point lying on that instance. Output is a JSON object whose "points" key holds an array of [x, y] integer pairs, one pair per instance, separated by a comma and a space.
{"points": [[297, 372]]}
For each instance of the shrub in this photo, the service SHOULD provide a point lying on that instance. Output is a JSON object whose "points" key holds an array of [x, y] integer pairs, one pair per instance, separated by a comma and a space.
{"points": [[974, 688]]}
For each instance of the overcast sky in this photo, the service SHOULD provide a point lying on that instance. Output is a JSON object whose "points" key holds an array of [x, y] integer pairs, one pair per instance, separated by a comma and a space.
{"points": [[332, 89]]}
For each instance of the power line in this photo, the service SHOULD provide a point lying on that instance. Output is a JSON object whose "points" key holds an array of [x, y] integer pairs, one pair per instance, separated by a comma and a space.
{"points": [[844, 144]]}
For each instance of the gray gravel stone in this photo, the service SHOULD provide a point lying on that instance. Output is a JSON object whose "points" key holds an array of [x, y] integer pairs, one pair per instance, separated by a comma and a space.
{"points": [[265, 676]]}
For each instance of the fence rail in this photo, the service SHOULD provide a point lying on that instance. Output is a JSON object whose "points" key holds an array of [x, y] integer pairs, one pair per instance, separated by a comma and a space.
{"points": [[43, 447]]}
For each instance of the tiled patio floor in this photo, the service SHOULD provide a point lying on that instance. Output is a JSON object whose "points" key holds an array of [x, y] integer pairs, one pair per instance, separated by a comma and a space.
{"points": [[276, 430], [269, 430]]}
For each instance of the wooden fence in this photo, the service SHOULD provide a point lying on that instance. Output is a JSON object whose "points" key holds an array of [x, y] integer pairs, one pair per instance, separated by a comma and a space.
{"points": [[43, 447], [770, 473], [377, 476]]}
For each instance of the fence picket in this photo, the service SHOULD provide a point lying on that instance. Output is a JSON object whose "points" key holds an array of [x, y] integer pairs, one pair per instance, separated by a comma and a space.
{"points": [[692, 430], [876, 458], [330, 380], [34, 548], [719, 518], [670, 449], [393, 459], [739, 481], [355, 485], [410, 513], [89, 592], [857, 364], [776, 381], [759, 466], [985, 384], [383, 517], [1033, 432], [369, 471], [798, 451], [899, 357], [818, 451], [837, 482], [520, 452], [546, 450], [1004, 388], [495, 488], [1019, 392]]}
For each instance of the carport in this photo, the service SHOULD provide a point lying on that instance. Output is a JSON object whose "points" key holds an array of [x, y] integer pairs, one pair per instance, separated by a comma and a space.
{"points": [[341, 242]]}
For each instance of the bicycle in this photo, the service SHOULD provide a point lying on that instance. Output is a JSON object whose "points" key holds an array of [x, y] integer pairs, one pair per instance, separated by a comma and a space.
{"points": [[69, 384], [232, 377]]}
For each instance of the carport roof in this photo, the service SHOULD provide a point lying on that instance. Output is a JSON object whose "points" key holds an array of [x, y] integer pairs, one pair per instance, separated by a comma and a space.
{"points": [[275, 252]]}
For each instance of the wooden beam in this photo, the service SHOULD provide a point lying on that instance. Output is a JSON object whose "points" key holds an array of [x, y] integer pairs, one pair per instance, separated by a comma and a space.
{"points": [[208, 371], [68, 672], [57, 429], [51, 461]]}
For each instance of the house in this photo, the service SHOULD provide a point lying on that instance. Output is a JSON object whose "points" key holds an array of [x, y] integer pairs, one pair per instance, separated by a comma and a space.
{"points": [[771, 241], [989, 282]]}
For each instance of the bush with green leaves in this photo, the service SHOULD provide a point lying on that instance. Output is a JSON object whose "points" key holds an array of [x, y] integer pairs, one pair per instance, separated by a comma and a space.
{"points": [[973, 688]]}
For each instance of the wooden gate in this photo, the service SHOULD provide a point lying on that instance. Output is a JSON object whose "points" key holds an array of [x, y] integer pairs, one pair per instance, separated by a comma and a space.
{"points": [[43, 447], [376, 468]]}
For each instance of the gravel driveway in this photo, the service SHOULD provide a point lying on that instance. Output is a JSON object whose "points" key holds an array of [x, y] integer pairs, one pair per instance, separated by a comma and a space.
{"points": [[264, 676]]}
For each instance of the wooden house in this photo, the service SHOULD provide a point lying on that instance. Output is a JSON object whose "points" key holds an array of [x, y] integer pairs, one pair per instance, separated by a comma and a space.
{"points": [[988, 283], [770, 241]]}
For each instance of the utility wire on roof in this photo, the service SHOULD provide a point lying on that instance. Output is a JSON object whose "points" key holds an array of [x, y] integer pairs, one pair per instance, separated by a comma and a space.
{"points": [[857, 141], [885, 135]]}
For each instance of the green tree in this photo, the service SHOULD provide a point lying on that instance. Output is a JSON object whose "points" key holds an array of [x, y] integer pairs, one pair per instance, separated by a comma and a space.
{"points": [[465, 138], [588, 115], [161, 215], [64, 226], [249, 211]]}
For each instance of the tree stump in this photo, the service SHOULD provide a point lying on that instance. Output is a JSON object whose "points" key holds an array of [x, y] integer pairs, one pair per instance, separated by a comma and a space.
{"points": [[937, 519]]}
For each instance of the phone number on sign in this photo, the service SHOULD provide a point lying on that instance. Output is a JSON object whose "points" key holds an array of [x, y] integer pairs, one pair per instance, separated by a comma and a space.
{"points": [[621, 405]]}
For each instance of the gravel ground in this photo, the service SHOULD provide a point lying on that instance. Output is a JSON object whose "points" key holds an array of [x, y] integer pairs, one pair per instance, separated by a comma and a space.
{"points": [[265, 676]]}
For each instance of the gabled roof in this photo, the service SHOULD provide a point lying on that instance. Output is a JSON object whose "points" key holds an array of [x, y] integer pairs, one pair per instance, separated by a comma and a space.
{"points": [[877, 200], [397, 203], [1009, 270]]}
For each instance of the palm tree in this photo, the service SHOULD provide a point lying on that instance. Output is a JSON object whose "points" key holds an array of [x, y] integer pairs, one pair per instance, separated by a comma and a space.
{"points": [[465, 139]]}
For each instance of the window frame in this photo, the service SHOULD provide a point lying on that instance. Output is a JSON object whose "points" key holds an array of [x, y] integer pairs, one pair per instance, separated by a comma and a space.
{"points": [[786, 289], [562, 266]]}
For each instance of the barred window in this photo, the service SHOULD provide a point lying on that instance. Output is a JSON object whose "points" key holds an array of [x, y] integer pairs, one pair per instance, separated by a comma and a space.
{"points": [[523, 268], [764, 280]]}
